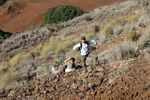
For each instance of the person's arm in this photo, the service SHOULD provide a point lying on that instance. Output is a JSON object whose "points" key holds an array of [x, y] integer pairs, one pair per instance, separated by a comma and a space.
{"points": [[67, 61], [77, 46], [94, 42]]}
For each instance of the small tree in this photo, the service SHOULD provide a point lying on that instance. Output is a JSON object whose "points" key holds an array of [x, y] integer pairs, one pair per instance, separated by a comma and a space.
{"points": [[4, 35], [2, 2], [61, 13]]}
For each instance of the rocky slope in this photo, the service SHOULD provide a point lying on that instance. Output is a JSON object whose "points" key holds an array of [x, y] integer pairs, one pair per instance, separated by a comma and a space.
{"points": [[126, 79], [78, 24], [34, 36], [101, 82]]}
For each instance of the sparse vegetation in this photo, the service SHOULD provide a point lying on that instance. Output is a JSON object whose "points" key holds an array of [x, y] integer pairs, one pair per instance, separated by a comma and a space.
{"points": [[116, 26], [130, 18], [118, 29], [3, 68], [145, 36], [120, 51], [15, 61], [144, 20], [6, 69], [36, 51], [61, 13], [19, 59], [39, 59], [107, 30], [8, 78]]}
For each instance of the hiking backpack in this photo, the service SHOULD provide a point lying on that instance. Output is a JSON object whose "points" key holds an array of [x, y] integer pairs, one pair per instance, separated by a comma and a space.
{"points": [[81, 45]]}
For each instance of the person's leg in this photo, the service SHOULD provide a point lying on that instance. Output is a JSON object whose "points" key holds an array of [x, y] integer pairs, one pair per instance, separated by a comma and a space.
{"points": [[65, 67], [84, 61]]}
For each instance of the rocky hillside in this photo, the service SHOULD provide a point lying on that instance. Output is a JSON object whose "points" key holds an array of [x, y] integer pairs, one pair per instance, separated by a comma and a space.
{"points": [[73, 26], [130, 80], [18, 15], [123, 33]]}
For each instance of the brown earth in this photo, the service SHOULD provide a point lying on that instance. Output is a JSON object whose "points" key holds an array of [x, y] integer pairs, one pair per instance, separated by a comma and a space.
{"points": [[18, 16], [131, 81], [91, 83]]}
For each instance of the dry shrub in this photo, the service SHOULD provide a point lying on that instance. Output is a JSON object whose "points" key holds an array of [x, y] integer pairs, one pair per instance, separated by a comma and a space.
{"points": [[121, 51], [63, 45], [118, 29], [8, 78], [37, 49], [144, 19], [19, 59], [145, 36], [108, 29], [130, 27], [133, 36], [115, 26], [88, 18], [50, 46], [3, 68], [96, 29], [133, 17], [15, 61], [89, 36], [144, 40]]}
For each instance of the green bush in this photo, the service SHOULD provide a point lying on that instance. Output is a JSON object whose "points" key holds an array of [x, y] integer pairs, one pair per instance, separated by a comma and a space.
{"points": [[2, 2], [4, 35], [61, 13]]}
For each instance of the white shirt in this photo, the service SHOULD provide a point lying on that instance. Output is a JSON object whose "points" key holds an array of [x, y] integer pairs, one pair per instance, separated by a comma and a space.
{"points": [[70, 67], [84, 49]]}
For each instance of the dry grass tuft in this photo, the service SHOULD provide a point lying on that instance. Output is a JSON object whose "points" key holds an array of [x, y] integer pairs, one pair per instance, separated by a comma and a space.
{"points": [[145, 36], [107, 30], [121, 51], [133, 36], [115, 27], [8, 78], [19, 59], [58, 45], [38, 49], [3, 68], [15, 61]]}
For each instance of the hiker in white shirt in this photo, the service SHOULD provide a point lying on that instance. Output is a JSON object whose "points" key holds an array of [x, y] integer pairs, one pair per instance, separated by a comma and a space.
{"points": [[84, 50]]}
